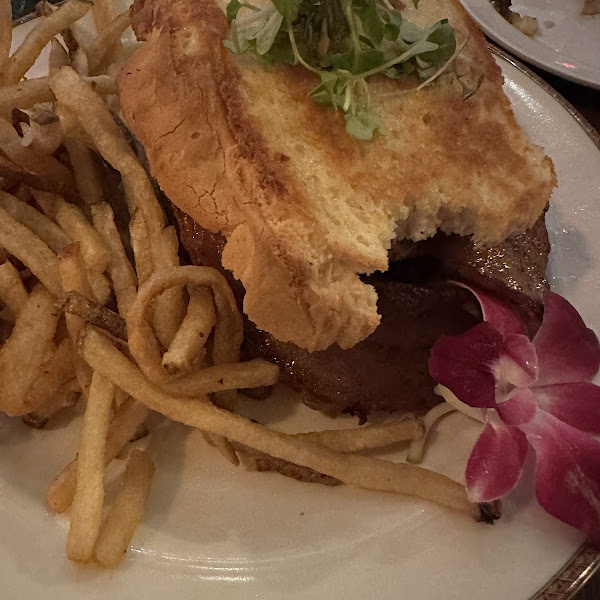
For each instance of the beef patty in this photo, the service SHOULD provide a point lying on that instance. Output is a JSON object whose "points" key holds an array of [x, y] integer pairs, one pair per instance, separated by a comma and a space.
{"points": [[418, 303]]}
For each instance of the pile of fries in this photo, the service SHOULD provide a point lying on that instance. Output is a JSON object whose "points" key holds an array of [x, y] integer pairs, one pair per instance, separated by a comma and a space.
{"points": [[101, 312]]}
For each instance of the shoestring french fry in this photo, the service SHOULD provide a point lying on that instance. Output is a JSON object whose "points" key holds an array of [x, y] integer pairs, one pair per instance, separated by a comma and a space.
{"points": [[26, 350], [12, 291], [126, 421], [108, 43], [58, 57], [126, 511], [362, 471], [66, 396], [168, 310], [46, 229], [30, 92], [73, 279], [87, 177], [86, 510], [226, 373], [103, 12], [94, 116], [45, 30], [189, 342], [74, 223], [367, 437], [140, 242], [223, 445], [91, 312], [55, 372], [23, 244], [119, 268]]}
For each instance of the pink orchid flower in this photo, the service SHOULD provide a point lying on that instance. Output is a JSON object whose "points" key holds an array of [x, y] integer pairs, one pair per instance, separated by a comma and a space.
{"points": [[536, 393]]}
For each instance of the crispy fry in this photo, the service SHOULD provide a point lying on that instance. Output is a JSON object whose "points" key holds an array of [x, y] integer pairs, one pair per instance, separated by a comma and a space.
{"points": [[228, 332], [12, 291], [128, 418], [35, 41], [119, 268], [62, 489], [48, 231], [109, 42], [252, 460], [140, 242], [190, 339], [368, 436], [77, 227], [55, 372], [73, 278], [26, 158], [358, 470], [86, 510], [223, 445], [94, 313], [66, 396], [58, 57], [72, 271], [104, 13], [99, 285], [224, 377], [95, 118], [19, 241], [29, 92], [26, 350], [5, 32], [126, 512], [102, 84], [227, 374], [168, 309], [87, 177], [25, 94]]}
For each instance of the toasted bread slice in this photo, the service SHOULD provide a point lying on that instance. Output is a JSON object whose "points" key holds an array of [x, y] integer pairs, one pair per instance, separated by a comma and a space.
{"points": [[304, 206]]}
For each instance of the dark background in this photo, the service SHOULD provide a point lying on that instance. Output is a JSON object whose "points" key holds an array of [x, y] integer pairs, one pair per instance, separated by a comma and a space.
{"points": [[585, 100]]}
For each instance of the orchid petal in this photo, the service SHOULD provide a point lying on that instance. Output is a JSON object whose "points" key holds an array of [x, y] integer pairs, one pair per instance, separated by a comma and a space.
{"points": [[518, 363], [520, 407], [568, 472], [577, 404], [567, 350], [496, 462], [497, 314], [465, 364]]}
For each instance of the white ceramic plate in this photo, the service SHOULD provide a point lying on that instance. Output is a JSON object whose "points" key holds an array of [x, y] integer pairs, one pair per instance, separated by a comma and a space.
{"points": [[214, 531], [569, 48]]}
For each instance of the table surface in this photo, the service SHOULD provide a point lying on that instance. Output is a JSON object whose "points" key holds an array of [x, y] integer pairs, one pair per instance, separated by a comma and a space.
{"points": [[587, 102]]}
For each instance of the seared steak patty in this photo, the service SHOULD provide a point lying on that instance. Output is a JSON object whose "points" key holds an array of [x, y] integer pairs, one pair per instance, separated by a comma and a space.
{"points": [[418, 303]]}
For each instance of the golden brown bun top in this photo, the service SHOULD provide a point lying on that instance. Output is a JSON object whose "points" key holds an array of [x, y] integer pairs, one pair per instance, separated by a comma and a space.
{"points": [[304, 206]]}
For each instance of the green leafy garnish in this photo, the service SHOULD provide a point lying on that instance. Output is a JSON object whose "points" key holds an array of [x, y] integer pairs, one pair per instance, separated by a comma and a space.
{"points": [[344, 42]]}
